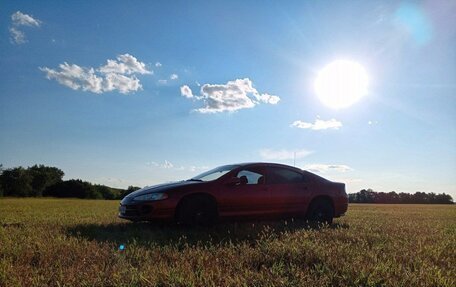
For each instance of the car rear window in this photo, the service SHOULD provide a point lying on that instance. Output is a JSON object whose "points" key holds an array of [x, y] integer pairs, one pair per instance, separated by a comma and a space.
{"points": [[278, 175]]}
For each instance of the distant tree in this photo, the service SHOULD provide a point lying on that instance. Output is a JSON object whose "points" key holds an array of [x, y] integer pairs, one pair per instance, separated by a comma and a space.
{"points": [[73, 188], [1, 185], [107, 192], [41, 180], [443, 198], [370, 196], [44, 176], [420, 197], [16, 182], [365, 196], [31, 181], [393, 197]]}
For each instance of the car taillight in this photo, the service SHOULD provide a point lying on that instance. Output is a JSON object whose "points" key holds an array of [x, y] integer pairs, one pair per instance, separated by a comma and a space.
{"points": [[342, 191]]}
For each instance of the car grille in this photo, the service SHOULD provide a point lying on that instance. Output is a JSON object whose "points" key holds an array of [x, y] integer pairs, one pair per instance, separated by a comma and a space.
{"points": [[136, 210]]}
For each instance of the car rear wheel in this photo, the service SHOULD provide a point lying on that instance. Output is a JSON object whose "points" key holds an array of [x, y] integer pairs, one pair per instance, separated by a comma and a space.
{"points": [[322, 211], [197, 211]]}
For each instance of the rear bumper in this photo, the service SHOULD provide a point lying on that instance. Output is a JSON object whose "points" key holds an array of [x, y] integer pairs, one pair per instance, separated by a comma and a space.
{"points": [[340, 207]]}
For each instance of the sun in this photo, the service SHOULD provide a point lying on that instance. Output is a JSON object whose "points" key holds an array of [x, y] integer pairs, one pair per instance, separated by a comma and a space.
{"points": [[341, 83]]}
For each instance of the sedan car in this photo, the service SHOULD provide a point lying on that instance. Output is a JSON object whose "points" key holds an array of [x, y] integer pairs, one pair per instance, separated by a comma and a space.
{"points": [[239, 191]]}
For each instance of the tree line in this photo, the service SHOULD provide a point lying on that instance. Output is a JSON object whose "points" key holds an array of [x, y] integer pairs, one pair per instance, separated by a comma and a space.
{"points": [[370, 196], [40, 180]]}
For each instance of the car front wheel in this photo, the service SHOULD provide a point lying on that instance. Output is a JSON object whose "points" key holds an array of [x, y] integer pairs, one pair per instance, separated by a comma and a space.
{"points": [[197, 211]]}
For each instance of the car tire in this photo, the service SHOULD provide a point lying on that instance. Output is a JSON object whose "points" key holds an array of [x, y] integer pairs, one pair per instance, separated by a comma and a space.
{"points": [[321, 211], [197, 211]]}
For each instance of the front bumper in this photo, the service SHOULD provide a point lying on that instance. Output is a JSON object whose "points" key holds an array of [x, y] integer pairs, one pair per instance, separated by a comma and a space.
{"points": [[135, 211], [162, 210]]}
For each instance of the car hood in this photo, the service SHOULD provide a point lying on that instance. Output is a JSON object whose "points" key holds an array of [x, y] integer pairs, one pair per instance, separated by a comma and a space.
{"points": [[161, 188]]}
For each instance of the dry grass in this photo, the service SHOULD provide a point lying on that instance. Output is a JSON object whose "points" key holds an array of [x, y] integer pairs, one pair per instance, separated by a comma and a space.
{"points": [[53, 242]]}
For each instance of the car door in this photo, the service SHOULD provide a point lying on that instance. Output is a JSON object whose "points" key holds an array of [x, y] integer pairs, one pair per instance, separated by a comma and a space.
{"points": [[288, 191], [246, 198]]}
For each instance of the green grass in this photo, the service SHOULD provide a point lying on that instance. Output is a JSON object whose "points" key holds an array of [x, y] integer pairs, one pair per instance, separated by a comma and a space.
{"points": [[53, 242]]}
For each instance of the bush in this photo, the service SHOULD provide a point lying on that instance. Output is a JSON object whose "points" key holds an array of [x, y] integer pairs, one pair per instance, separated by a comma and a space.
{"points": [[107, 192], [73, 188], [44, 176], [17, 182], [31, 181]]}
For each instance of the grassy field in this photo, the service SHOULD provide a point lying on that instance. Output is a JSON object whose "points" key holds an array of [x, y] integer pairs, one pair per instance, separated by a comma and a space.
{"points": [[53, 242]]}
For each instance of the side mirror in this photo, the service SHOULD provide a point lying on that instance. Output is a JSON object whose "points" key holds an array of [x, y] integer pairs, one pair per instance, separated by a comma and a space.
{"points": [[233, 181]]}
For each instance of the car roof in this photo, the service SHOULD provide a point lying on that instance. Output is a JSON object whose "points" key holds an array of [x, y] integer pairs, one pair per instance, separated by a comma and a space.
{"points": [[268, 164]]}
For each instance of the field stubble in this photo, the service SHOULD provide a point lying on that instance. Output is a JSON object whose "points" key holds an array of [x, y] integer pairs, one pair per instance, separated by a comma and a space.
{"points": [[54, 242]]}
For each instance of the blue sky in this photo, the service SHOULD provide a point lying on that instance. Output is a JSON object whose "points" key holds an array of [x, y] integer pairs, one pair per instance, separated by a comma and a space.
{"points": [[141, 92]]}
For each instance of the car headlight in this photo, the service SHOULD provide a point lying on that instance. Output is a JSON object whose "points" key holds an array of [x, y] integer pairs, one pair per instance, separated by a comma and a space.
{"points": [[151, 197]]}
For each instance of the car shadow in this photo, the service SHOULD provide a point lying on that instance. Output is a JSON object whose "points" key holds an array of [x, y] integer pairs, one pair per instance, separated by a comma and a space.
{"points": [[224, 233]]}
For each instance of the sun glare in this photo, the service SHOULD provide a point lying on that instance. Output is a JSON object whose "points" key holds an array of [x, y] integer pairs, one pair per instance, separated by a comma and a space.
{"points": [[341, 83]]}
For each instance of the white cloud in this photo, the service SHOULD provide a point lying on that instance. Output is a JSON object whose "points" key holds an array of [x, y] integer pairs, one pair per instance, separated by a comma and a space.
{"points": [[162, 82], [186, 91], [230, 97], [18, 20], [114, 76], [283, 154], [158, 64], [318, 124], [125, 64], [167, 165], [111, 180], [17, 36], [174, 77], [124, 84], [197, 168], [21, 19], [267, 98], [76, 77], [322, 168], [152, 163]]}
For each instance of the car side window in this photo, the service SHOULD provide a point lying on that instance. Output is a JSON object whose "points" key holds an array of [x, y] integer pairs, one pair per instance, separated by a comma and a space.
{"points": [[278, 175], [251, 176]]}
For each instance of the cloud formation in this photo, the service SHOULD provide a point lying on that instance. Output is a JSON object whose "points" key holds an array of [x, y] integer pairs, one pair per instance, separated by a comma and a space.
{"points": [[186, 91], [230, 97], [125, 64], [116, 75], [18, 21], [318, 124], [322, 168], [174, 77], [166, 164], [283, 154]]}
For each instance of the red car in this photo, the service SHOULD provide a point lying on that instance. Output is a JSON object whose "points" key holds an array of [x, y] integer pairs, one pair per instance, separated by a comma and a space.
{"points": [[239, 191]]}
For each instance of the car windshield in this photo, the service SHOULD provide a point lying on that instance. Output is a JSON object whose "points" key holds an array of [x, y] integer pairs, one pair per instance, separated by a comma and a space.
{"points": [[214, 173]]}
